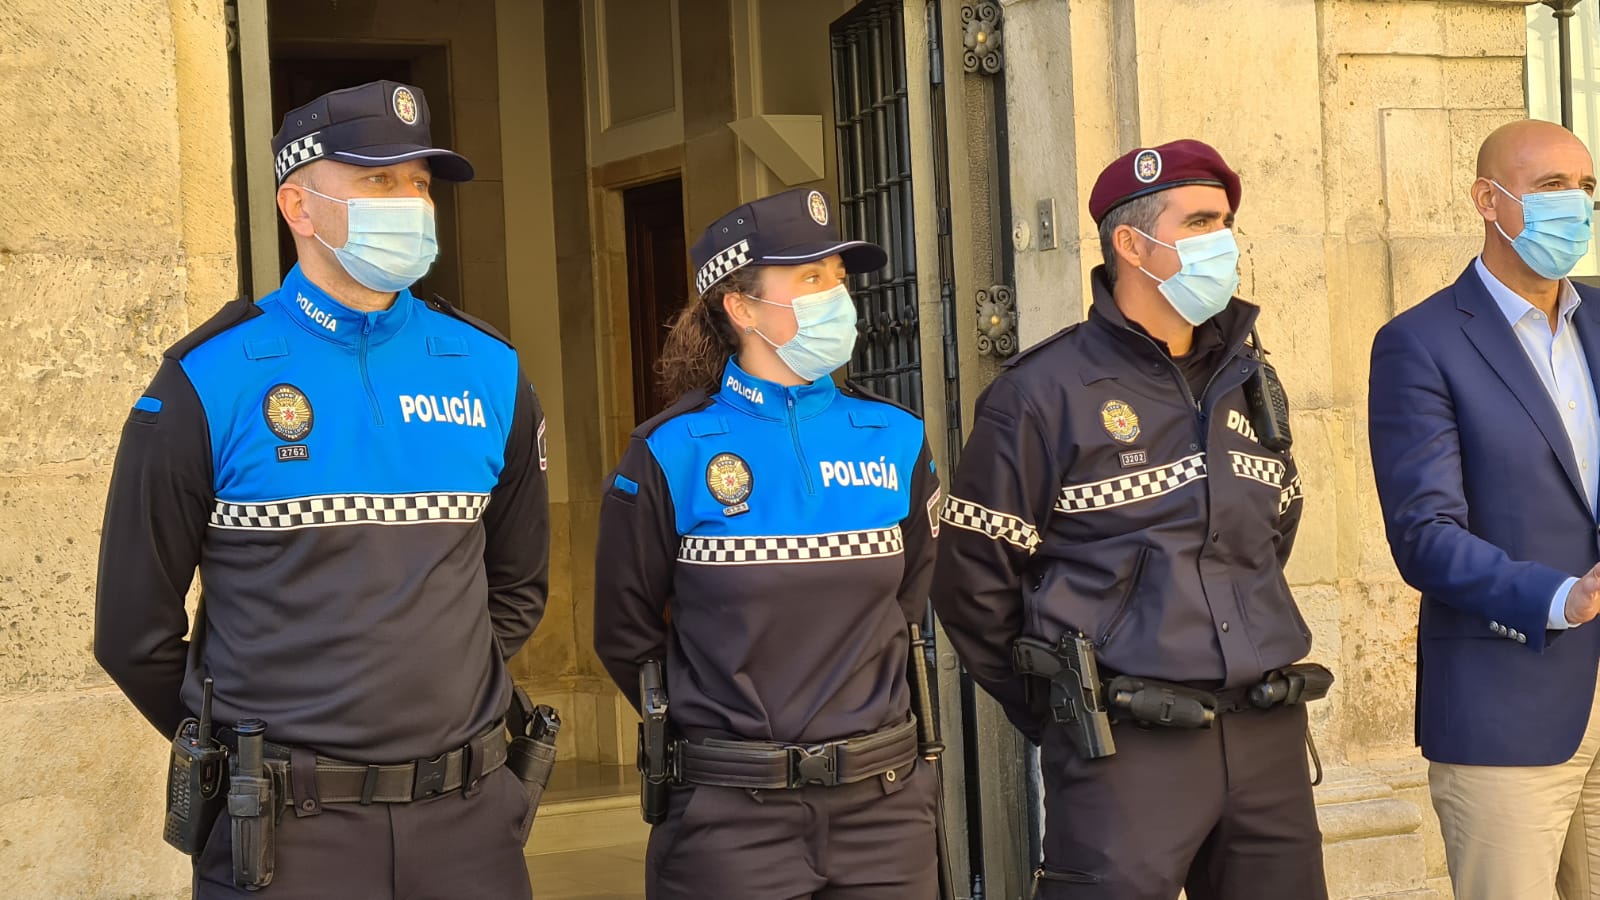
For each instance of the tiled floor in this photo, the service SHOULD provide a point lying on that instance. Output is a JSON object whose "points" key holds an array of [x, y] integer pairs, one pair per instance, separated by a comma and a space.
{"points": [[610, 873], [572, 806]]}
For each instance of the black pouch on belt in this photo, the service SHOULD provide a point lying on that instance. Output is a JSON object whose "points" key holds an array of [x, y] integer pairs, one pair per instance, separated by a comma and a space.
{"points": [[532, 754]]}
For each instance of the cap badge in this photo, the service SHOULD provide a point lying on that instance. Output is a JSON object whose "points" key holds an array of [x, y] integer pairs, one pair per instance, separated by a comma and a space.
{"points": [[1147, 166], [405, 105], [818, 206], [1120, 421]]}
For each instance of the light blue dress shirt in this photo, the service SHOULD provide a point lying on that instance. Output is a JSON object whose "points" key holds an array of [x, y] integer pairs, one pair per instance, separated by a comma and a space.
{"points": [[1559, 359]]}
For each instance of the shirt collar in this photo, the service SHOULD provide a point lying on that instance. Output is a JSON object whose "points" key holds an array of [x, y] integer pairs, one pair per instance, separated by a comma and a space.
{"points": [[317, 312], [1514, 307], [770, 400]]}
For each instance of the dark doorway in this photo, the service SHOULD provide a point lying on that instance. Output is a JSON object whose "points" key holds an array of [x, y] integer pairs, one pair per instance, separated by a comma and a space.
{"points": [[303, 72], [658, 282]]}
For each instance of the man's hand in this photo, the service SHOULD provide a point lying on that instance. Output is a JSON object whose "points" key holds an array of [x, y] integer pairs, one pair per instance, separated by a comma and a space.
{"points": [[1583, 601]]}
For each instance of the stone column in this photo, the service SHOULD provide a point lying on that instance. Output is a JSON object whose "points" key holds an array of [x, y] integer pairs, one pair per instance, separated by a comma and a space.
{"points": [[116, 233]]}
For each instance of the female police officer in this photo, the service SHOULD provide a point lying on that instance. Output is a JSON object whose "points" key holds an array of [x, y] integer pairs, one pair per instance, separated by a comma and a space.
{"points": [[768, 538]]}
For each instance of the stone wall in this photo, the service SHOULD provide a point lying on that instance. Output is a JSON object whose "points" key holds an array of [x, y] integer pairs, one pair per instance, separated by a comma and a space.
{"points": [[1354, 125], [116, 233]]}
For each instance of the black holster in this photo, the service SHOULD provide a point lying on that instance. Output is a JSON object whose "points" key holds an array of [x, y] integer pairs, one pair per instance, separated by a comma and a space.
{"points": [[1292, 685], [532, 754], [655, 774], [253, 805]]}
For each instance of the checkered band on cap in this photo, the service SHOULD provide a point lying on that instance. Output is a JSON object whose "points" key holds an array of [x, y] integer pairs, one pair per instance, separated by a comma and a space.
{"points": [[969, 516], [740, 551], [1133, 488], [297, 153], [720, 266], [349, 509]]}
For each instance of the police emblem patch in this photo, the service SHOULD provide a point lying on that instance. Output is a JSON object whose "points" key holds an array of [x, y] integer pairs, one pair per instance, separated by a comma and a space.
{"points": [[1120, 421], [405, 105], [288, 412], [730, 480], [1147, 166], [818, 205]]}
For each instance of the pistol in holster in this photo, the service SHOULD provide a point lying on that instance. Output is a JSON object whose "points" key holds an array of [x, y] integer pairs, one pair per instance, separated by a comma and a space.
{"points": [[1077, 699], [195, 795], [253, 804], [532, 754], [655, 782]]}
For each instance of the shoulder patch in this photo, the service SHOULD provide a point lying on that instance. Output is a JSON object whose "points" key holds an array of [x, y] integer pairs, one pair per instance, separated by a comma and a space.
{"points": [[233, 313], [440, 305], [855, 389], [1040, 345]]}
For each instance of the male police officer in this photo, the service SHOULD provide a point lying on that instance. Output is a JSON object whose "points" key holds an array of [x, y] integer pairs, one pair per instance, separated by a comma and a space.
{"points": [[359, 476], [1118, 499]]}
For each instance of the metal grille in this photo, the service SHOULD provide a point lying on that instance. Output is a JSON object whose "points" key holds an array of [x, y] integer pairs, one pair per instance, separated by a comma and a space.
{"points": [[873, 134]]}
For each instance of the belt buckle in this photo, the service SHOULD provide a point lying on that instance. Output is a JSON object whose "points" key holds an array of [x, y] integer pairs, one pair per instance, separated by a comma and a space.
{"points": [[816, 764], [429, 777]]}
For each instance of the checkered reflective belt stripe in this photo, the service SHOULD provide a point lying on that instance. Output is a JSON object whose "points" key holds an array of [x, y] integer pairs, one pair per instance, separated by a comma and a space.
{"points": [[747, 550], [349, 509]]}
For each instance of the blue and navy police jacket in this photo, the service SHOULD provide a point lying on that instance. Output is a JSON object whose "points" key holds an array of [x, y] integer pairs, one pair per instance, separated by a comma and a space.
{"points": [[364, 497], [1099, 494], [1487, 517], [771, 544]]}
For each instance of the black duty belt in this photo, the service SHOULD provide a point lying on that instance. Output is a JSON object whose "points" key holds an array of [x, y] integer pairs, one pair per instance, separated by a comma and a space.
{"points": [[767, 765], [339, 781]]}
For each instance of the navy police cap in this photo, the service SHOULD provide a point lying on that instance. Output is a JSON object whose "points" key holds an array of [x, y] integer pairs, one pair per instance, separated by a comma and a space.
{"points": [[375, 124], [787, 229]]}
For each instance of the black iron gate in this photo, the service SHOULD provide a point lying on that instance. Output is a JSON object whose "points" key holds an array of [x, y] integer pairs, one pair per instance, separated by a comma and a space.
{"points": [[873, 134], [874, 145]]}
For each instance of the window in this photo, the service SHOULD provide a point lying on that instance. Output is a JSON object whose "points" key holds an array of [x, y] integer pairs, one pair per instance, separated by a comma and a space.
{"points": [[1546, 90]]}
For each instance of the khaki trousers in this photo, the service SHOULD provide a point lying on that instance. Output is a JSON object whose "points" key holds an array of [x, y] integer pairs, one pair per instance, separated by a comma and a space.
{"points": [[1523, 832]]}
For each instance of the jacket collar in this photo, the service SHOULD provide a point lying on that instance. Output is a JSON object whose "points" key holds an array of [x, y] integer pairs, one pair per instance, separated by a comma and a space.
{"points": [[770, 400], [1235, 322], [1486, 327], [317, 312]]}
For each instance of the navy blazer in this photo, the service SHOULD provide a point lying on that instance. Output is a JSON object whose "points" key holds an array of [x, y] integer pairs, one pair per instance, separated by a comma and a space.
{"points": [[1487, 517]]}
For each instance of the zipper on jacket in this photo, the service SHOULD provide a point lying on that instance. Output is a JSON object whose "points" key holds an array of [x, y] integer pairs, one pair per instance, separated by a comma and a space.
{"points": [[366, 376], [1172, 369], [799, 452], [1127, 598]]}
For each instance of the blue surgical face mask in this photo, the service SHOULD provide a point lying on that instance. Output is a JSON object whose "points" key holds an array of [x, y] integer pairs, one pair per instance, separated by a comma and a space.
{"points": [[826, 333], [1208, 276], [1557, 227], [390, 241]]}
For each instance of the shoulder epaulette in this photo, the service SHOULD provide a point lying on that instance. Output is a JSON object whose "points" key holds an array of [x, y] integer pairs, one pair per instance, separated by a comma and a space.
{"points": [[232, 313], [856, 389], [1041, 345], [441, 305], [694, 401]]}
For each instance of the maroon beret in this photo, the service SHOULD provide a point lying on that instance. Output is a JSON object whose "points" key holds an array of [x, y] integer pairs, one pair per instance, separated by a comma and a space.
{"points": [[1151, 169]]}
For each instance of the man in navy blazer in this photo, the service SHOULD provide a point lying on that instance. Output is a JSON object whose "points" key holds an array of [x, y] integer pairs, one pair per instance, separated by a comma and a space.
{"points": [[1486, 449]]}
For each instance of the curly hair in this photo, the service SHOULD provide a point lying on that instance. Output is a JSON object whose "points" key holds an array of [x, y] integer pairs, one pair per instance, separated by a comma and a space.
{"points": [[702, 337]]}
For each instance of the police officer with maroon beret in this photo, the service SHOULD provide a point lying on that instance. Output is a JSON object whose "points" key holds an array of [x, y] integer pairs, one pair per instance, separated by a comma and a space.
{"points": [[1113, 569]]}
